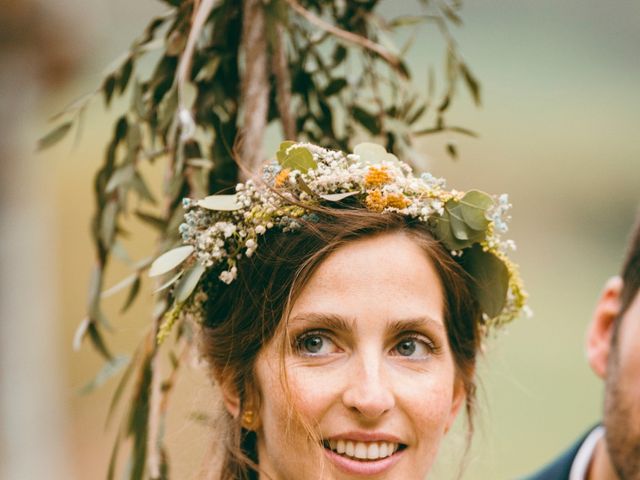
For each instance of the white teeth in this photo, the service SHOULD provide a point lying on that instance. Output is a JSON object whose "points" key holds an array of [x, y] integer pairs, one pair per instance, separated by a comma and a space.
{"points": [[363, 450], [373, 451], [360, 451], [350, 448], [384, 450]]}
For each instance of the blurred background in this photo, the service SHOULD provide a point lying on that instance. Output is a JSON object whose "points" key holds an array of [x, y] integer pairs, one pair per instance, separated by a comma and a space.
{"points": [[557, 130]]}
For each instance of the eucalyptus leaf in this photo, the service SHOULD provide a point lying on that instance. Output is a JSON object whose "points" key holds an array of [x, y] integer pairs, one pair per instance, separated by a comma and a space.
{"points": [[490, 279], [188, 282], [54, 136], [225, 203], [97, 341], [108, 222], [473, 208], [168, 283], [458, 227], [157, 223], [298, 158], [335, 86], [282, 150], [366, 119], [80, 333], [444, 234], [472, 84], [133, 293], [336, 197], [109, 369], [373, 154], [170, 260], [121, 176], [121, 285], [304, 187], [203, 163]]}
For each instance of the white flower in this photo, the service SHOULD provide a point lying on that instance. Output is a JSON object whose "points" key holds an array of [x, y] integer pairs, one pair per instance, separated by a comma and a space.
{"points": [[260, 229]]}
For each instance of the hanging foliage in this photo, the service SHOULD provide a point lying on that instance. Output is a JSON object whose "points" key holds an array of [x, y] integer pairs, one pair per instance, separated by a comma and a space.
{"points": [[324, 70]]}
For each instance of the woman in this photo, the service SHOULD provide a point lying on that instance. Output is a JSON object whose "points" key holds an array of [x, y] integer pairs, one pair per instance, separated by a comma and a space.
{"points": [[343, 302]]}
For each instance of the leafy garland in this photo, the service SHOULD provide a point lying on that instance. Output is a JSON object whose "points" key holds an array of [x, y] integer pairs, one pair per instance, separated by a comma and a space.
{"points": [[224, 71]]}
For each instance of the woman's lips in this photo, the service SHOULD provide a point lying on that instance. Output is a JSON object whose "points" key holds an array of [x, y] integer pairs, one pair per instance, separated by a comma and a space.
{"points": [[363, 457]]}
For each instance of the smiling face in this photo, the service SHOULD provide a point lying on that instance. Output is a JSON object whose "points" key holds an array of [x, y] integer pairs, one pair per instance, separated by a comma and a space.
{"points": [[369, 370]]}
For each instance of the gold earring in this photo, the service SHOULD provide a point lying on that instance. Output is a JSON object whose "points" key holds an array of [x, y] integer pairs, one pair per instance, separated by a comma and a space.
{"points": [[248, 418]]}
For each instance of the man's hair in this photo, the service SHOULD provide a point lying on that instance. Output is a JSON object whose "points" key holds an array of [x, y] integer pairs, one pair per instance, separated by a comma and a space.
{"points": [[631, 269]]}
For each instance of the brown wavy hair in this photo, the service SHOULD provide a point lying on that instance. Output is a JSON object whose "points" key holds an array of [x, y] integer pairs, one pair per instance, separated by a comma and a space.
{"points": [[242, 317]]}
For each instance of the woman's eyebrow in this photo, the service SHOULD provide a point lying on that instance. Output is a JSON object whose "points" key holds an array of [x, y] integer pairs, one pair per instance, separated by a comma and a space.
{"points": [[415, 324], [330, 321]]}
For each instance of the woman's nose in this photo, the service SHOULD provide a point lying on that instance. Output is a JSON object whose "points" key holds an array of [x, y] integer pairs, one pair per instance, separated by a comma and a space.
{"points": [[368, 390]]}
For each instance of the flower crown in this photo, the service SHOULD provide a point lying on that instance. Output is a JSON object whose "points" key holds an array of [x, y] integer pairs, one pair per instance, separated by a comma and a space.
{"points": [[221, 229]]}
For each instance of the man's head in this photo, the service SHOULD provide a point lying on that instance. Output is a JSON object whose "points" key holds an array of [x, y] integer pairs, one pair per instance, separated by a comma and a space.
{"points": [[613, 348]]}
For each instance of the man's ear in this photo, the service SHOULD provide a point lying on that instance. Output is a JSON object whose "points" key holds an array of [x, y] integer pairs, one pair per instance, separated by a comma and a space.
{"points": [[600, 331]]}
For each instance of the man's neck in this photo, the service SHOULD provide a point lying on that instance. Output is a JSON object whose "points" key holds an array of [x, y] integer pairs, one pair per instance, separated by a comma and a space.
{"points": [[601, 467]]}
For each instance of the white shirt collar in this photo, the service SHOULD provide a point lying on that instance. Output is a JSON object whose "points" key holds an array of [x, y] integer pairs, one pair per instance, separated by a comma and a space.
{"points": [[582, 460]]}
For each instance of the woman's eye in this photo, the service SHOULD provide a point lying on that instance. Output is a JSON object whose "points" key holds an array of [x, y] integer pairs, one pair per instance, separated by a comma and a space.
{"points": [[413, 347], [315, 344]]}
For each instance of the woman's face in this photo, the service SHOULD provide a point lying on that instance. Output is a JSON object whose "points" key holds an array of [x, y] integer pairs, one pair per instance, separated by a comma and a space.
{"points": [[370, 369]]}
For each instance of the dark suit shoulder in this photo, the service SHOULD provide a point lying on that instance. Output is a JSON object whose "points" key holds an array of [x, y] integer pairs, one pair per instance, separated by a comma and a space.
{"points": [[560, 468]]}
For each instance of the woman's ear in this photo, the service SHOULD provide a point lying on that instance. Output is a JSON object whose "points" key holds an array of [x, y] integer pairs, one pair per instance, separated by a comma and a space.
{"points": [[230, 398], [602, 326], [459, 397]]}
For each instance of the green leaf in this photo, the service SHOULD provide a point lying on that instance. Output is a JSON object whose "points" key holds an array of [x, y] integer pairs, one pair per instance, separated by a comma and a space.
{"points": [[137, 100], [373, 154], [208, 71], [339, 55], [188, 282], [335, 86], [121, 285], [282, 150], [490, 279], [125, 75], [452, 150], [54, 136], [170, 260], [367, 120], [458, 227], [298, 158], [80, 333], [140, 187], [121, 176], [109, 369], [473, 208], [108, 86], [97, 341], [168, 283], [226, 203], [133, 293], [167, 109], [108, 223], [472, 83], [443, 232], [156, 222], [302, 185], [407, 21]]}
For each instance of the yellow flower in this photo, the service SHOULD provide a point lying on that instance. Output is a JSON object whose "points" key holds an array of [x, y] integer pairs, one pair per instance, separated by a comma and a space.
{"points": [[396, 200], [281, 178], [376, 177], [375, 201]]}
